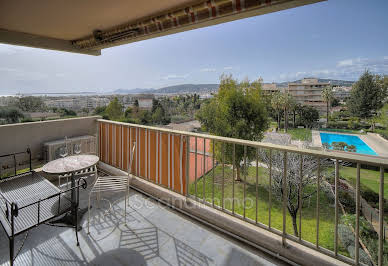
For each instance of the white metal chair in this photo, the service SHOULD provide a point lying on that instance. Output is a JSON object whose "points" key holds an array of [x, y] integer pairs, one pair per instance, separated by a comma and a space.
{"points": [[112, 184]]}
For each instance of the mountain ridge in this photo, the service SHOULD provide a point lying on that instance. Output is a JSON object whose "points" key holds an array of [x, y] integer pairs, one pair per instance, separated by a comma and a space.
{"points": [[211, 87]]}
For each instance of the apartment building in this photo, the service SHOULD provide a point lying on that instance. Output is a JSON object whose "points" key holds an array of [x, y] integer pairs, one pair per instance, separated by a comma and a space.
{"points": [[77, 103], [342, 93], [309, 92]]}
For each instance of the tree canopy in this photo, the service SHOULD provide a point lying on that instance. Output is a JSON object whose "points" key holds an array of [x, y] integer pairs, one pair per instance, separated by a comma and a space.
{"points": [[31, 104], [367, 95], [327, 96], [309, 115], [11, 115], [115, 109], [237, 111]]}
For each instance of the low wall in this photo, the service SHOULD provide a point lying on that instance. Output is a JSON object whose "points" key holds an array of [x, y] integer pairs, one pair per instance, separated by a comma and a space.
{"points": [[16, 137]]}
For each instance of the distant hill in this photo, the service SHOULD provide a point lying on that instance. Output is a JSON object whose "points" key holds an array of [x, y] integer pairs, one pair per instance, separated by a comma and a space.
{"points": [[335, 82], [202, 88], [189, 88], [133, 91], [180, 89]]}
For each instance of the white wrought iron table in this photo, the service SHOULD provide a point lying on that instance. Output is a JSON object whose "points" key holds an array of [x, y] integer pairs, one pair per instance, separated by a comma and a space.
{"points": [[71, 165]]}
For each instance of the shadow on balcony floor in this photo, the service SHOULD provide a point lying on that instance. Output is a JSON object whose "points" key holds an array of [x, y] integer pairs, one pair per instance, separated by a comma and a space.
{"points": [[153, 235]]}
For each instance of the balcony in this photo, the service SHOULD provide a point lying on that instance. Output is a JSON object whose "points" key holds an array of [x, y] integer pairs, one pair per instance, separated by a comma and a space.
{"points": [[187, 208]]}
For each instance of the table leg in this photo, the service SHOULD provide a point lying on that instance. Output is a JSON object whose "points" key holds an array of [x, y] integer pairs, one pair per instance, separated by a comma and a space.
{"points": [[71, 218]]}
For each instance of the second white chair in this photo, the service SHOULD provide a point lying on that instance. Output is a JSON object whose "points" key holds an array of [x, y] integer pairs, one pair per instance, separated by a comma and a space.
{"points": [[112, 184]]}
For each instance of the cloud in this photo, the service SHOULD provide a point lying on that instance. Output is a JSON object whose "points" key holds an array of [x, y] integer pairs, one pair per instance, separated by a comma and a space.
{"points": [[208, 70], [174, 76], [7, 69], [359, 65], [22, 75], [6, 49], [228, 68], [301, 73], [349, 69], [348, 62]]}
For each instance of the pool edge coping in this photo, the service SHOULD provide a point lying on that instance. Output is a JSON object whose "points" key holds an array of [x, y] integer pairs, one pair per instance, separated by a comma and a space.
{"points": [[362, 137]]}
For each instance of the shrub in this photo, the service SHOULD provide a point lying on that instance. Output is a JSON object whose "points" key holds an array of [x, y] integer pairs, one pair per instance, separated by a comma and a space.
{"points": [[369, 195], [347, 201], [26, 119], [366, 229], [353, 123], [347, 238], [180, 118], [373, 247], [326, 188], [364, 258], [346, 235]]}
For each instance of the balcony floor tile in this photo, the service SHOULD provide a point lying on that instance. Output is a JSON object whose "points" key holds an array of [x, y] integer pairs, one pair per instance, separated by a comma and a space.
{"points": [[154, 235]]}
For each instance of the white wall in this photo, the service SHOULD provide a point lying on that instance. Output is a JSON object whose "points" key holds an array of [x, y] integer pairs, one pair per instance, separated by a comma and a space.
{"points": [[17, 137]]}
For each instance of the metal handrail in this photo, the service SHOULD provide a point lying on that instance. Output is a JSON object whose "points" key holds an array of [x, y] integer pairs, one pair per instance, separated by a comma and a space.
{"points": [[321, 156], [355, 158]]}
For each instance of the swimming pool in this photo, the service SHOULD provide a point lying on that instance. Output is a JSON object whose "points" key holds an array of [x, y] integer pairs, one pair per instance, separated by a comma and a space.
{"points": [[361, 147]]}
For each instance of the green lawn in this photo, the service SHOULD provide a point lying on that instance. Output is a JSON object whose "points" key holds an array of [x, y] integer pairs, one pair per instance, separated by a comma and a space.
{"points": [[326, 228], [368, 178], [300, 134]]}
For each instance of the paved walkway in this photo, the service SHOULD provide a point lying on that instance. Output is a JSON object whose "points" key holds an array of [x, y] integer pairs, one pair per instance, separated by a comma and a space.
{"points": [[316, 138], [154, 235], [377, 143]]}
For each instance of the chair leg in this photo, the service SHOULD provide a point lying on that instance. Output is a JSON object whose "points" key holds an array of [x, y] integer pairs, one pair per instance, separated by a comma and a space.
{"points": [[125, 208], [128, 193], [11, 249], [76, 225], [89, 215]]}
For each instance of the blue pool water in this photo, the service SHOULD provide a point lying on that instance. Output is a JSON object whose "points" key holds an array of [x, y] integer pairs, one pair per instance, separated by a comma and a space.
{"points": [[361, 146]]}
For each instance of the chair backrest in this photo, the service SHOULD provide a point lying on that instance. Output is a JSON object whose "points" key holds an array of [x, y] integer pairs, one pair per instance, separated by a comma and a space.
{"points": [[131, 158]]}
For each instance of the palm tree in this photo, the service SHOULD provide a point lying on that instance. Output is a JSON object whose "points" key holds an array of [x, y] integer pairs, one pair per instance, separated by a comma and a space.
{"points": [[299, 110], [288, 102], [276, 103], [327, 96], [294, 108]]}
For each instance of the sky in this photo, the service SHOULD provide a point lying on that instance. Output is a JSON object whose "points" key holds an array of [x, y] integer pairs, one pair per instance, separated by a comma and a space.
{"points": [[337, 39]]}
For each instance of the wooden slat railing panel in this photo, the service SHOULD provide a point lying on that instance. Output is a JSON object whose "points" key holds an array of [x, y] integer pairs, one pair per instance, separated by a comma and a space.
{"points": [[150, 162]]}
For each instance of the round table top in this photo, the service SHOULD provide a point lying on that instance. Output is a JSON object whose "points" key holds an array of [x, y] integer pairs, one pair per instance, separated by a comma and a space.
{"points": [[70, 164]]}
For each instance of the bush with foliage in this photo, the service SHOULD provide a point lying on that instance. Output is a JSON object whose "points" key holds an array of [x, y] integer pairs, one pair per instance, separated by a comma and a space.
{"points": [[100, 110], [353, 122], [31, 104], [347, 201], [368, 235], [66, 112], [114, 110], [309, 116], [26, 120], [11, 114], [347, 239]]}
